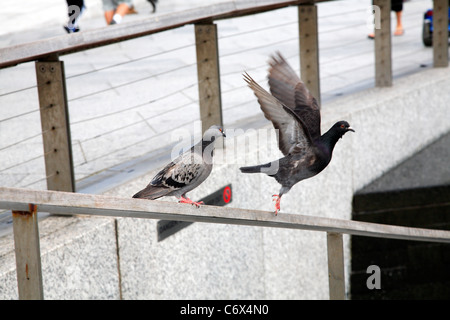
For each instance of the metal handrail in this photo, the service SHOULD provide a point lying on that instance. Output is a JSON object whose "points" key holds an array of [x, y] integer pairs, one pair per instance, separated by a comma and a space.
{"points": [[69, 203], [25, 204]]}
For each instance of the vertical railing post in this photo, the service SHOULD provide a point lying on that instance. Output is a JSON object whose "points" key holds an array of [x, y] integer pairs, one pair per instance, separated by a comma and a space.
{"points": [[309, 48], [208, 72], [51, 84], [383, 49], [336, 276], [28, 256], [440, 33]]}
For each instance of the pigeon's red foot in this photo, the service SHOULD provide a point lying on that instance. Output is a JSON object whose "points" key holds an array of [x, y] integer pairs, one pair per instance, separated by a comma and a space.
{"points": [[187, 200], [277, 203]]}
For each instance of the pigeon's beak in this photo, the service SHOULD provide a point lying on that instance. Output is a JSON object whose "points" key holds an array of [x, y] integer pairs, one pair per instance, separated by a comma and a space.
{"points": [[223, 133], [350, 129]]}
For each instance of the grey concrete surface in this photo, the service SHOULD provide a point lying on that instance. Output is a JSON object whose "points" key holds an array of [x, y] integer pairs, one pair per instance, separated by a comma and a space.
{"points": [[427, 168]]}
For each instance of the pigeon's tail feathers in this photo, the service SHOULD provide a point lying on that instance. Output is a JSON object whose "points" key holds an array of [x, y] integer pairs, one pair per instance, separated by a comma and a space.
{"points": [[152, 192], [255, 169]]}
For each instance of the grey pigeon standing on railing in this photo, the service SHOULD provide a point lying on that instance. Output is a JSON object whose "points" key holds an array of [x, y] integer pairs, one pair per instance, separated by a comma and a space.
{"points": [[186, 172], [295, 113]]}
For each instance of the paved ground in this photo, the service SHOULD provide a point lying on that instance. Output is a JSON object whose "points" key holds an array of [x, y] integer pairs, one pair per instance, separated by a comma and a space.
{"points": [[125, 99]]}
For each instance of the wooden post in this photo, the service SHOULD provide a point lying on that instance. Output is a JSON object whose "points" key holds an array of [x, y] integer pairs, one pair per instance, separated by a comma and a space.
{"points": [[336, 277], [55, 125], [440, 33], [28, 256], [309, 48], [383, 50], [206, 43]]}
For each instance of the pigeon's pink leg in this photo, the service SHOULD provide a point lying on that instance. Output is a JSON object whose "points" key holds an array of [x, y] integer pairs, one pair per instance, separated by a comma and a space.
{"points": [[277, 203], [187, 200]]}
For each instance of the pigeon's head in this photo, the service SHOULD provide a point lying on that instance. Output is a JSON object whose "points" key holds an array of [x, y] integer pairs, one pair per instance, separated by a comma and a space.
{"points": [[341, 128], [213, 133]]}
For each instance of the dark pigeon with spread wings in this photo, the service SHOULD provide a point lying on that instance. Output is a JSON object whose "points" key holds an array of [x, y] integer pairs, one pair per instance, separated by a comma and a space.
{"points": [[186, 172], [295, 113]]}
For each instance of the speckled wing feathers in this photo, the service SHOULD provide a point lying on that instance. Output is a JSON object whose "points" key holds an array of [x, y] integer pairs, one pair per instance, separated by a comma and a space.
{"points": [[183, 174]]}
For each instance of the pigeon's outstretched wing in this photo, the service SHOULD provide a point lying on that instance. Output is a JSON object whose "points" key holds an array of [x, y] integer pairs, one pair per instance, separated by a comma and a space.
{"points": [[287, 87], [293, 133], [184, 173]]}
